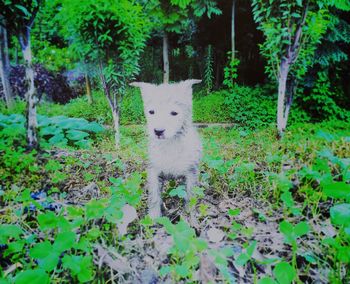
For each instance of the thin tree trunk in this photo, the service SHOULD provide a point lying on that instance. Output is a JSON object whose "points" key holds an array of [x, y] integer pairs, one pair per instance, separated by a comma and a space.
{"points": [[115, 113], [165, 58], [113, 104], [5, 67], [88, 88], [31, 98], [284, 103], [233, 29], [282, 112]]}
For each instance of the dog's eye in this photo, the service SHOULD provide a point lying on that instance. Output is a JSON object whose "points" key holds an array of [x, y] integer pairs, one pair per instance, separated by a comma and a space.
{"points": [[173, 113], [151, 112]]}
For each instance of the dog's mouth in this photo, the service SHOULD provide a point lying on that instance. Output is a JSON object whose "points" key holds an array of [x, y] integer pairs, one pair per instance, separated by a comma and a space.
{"points": [[161, 137]]}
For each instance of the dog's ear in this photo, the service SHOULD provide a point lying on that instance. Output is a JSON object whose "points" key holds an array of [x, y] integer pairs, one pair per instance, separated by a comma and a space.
{"points": [[190, 82], [141, 85]]}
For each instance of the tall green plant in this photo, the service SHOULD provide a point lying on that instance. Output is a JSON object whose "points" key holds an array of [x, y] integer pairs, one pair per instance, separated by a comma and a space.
{"points": [[208, 71], [110, 35], [17, 18], [292, 30]]}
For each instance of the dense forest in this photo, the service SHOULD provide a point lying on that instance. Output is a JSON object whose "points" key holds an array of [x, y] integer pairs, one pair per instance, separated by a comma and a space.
{"points": [[273, 115]]}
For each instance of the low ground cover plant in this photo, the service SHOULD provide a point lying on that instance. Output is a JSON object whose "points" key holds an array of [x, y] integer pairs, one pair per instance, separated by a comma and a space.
{"points": [[276, 213]]}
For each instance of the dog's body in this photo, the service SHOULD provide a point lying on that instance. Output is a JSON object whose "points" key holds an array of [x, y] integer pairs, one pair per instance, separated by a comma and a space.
{"points": [[174, 145]]}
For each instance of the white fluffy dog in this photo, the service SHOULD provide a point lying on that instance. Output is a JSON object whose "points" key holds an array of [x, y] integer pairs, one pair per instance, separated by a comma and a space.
{"points": [[174, 145]]}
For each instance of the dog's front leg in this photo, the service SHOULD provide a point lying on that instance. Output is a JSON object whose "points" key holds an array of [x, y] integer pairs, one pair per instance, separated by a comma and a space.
{"points": [[191, 181], [154, 198]]}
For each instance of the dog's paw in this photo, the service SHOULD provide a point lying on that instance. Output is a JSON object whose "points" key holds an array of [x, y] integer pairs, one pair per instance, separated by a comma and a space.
{"points": [[154, 213]]}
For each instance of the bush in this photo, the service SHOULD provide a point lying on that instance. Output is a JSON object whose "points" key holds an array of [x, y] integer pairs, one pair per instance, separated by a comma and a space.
{"points": [[211, 108], [250, 107], [54, 86]]}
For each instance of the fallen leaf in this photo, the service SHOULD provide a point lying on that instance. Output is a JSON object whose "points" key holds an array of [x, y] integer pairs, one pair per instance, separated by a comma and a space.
{"points": [[215, 235], [129, 215]]}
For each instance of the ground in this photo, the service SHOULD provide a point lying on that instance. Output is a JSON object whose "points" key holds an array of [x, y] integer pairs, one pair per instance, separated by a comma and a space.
{"points": [[260, 211]]}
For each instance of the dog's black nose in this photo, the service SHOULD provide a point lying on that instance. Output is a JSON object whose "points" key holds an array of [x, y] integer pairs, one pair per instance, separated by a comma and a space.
{"points": [[159, 132]]}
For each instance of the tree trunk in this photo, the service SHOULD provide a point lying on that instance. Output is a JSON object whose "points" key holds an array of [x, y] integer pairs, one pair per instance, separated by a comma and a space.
{"points": [[113, 104], [233, 29], [115, 113], [5, 67], [88, 88], [282, 111], [31, 98], [165, 58]]}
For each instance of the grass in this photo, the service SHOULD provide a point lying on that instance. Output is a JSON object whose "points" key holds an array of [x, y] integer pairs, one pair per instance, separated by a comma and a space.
{"points": [[266, 199]]}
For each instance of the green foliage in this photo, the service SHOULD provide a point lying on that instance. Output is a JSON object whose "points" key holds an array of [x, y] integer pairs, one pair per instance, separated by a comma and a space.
{"points": [[284, 273], [321, 102], [54, 131], [230, 72], [208, 70], [184, 252], [250, 107], [279, 21], [210, 108], [205, 6]]}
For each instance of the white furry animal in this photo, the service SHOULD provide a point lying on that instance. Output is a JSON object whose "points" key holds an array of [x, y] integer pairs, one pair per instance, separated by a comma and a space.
{"points": [[174, 145]]}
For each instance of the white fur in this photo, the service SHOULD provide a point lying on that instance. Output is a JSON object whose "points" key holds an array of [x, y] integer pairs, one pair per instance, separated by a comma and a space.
{"points": [[178, 151]]}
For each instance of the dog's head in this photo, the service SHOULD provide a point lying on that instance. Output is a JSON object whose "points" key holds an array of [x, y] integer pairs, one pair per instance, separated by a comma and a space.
{"points": [[168, 107]]}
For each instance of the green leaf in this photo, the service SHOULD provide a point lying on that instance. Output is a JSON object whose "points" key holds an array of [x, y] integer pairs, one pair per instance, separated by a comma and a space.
{"points": [[76, 135], [267, 280], [95, 209], [32, 277], [164, 270], [301, 229], [47, 221], [40, 250], [182, 270], [79, 266], [50, 130], [58, 140], [337, 190], [242, 259], [234, 212], [9, 231], [179, 191], [45, 254], [340, 214], [284, 273], [64, 241]]}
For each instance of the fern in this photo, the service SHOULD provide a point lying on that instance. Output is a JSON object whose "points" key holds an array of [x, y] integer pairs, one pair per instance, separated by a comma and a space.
{"points": [[208, 71]]}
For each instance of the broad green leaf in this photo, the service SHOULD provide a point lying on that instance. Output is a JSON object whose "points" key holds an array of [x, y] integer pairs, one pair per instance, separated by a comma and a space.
{"points": [[76, 135], [164, 270], [242, 259], [338, 190], [45, 254], [47, 220], [301, 229], [32, 276], [80, 266], [284, 273], [340, 214], [40, 250], [179, 191], [95, 209], [267, 280], [9, 231], [182, 270], [64, 241]]}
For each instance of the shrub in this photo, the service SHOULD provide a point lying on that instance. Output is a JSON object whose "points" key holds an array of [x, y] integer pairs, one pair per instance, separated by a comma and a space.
{"points": [[54, 86], [250, 107], [211, 108]]}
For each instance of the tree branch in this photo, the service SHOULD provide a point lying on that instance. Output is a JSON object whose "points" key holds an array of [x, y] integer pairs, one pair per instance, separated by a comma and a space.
{"points": [[293, 50]]}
